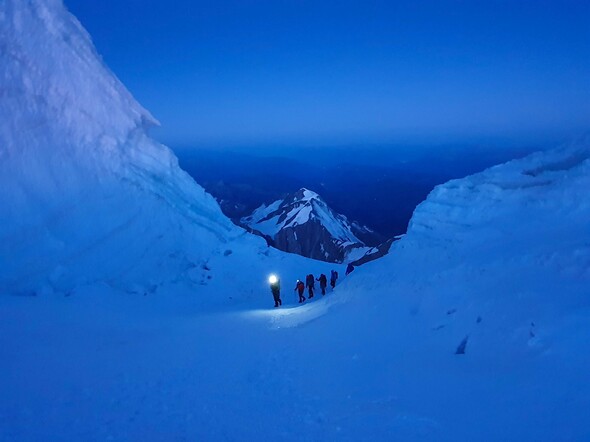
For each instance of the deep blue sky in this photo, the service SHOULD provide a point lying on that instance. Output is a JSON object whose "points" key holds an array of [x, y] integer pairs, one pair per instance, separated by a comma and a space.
{"points": [[329, 72]]}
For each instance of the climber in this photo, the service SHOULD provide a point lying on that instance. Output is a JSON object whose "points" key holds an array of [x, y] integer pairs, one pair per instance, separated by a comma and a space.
{"points": [[275, 288], [323, 283], [333, 278], [300, 287], [310, 283]]}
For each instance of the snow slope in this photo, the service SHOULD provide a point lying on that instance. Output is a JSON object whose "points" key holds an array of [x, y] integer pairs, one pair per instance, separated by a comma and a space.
{"points": [[73, 145], [496, 265], [500, 258]]}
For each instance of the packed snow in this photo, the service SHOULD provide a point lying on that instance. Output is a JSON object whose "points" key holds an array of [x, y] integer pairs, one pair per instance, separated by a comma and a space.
{"points": [[132, 309]]}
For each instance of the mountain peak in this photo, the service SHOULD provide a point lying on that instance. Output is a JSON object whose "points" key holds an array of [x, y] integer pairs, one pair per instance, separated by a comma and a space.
{"points": [[304, 194], [303, 223]]}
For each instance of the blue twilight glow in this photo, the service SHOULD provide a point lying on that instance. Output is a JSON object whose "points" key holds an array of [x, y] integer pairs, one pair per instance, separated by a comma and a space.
{"points": [[226, 72]]}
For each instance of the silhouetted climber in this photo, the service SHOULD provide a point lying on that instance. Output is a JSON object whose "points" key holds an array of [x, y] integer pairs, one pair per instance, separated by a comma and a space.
{"points": [[275, 288], [333, 278], [323, 283], [310, 284], [349, 269], [300, 287]]}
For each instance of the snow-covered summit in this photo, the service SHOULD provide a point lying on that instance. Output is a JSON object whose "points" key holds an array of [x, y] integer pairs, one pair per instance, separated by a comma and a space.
{"points": [[306, 194], [296, 209], [303, 223]]}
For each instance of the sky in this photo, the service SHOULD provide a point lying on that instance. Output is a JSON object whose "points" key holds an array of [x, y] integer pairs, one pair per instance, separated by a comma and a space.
{"points": [[229, 73]]}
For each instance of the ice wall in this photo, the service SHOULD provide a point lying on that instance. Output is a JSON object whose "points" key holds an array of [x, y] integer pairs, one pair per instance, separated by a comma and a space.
{"points": [[85, 194]]}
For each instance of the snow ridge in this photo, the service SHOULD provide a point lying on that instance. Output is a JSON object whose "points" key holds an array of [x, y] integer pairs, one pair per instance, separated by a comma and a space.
{"points": [[297, 209]]}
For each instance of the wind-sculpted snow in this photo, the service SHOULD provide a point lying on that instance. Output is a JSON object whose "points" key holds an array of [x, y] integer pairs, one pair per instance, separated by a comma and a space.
{"points": [[54, 81], [536, 206], [494, 272], [526, 219], [85, 194]]}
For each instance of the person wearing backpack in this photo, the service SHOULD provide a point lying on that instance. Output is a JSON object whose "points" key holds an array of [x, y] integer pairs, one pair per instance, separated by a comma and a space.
{"points": [[275, 288], [310, 284], [333, 278], [300, 287], [323, 283]]}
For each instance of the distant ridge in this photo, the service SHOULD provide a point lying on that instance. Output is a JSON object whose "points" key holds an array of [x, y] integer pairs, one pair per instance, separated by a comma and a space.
{"points": [[303, 223]]}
